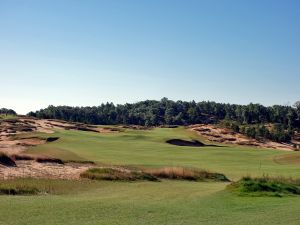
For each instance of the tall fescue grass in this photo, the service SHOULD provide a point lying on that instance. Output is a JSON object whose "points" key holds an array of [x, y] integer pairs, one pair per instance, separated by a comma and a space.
{"points": [[133, 174], [31, 186], [271, 186], [183, 173], [116, 174], [39, 159]]}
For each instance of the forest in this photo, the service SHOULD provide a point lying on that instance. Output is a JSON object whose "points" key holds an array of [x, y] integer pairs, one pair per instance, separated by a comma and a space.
{"points": [[5, 111], [248, 119]]}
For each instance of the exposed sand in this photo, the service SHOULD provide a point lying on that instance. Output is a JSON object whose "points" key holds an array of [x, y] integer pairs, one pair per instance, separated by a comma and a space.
{"points": [[227, 136], [11, 145], [34, 169]]}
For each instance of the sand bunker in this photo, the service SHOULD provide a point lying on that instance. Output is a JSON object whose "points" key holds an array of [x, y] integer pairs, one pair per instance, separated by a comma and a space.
{"points": [[180, 142], [52, 139], [7, 161], [13, 143]]}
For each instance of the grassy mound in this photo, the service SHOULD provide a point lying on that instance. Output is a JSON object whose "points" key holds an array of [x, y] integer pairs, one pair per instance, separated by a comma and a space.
{"points": [[266, 186], [116, 175], [182, 173], [174, 173]]}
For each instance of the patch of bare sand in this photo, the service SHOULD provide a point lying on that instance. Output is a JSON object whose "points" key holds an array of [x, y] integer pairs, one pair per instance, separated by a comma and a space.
{"points": [[14, 147], [10, 128], [33, 169], [59, 124], [222, 135]]}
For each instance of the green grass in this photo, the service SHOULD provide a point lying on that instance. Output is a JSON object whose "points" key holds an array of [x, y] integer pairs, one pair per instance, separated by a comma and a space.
{"points": [[269, 186], [138, 174], [148, 148], [31, 186], [183, 173], [4, 116], [114, 174], [151, 203]]}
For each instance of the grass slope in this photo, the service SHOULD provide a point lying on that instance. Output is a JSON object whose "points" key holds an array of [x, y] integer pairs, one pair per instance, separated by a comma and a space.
{"points": [[148, 148], [163, 203], [152, 203]]}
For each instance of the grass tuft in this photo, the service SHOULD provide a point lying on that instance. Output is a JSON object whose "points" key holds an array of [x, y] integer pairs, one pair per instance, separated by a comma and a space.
{"points": [[133, 174], [266, 186], [33, 186], [116, 174], [182, 173]]}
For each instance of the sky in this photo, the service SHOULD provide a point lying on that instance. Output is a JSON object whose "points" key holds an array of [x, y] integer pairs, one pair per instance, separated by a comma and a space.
{"points": [[84, 53]]}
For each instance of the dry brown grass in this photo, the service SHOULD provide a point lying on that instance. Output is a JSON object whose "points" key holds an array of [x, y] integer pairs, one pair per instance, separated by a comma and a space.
{"points": [[132, 174], [182, 173], [39, 159]]}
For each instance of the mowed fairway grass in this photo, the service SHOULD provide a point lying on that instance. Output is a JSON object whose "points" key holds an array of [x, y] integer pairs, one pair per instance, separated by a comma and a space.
{"points": [[149, 148], [166, 202]]}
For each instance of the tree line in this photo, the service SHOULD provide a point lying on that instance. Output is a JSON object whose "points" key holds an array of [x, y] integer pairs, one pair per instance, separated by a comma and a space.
{"points": [[168, 112], [7, 111]]}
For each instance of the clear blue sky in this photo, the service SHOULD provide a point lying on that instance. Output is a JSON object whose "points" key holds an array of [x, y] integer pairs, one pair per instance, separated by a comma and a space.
{"points": [[88, 52]]}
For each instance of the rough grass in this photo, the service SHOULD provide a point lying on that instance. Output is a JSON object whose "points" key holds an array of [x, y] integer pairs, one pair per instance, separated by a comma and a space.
{"points": [[4, 116], [149, 148], [32, 186], [39, 159], [116, 174], [182, 173], [292, 158], [270, 186], [134, 174], [169, 202], [18, 189]]}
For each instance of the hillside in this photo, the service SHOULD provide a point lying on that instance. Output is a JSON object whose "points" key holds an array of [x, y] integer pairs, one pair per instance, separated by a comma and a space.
{"points": [[274, 123], [30, 141], [55, 159]]}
